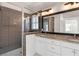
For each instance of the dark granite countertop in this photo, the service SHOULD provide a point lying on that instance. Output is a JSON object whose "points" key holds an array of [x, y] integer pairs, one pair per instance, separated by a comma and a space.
{"points": [[67, 38], [59, 37]]}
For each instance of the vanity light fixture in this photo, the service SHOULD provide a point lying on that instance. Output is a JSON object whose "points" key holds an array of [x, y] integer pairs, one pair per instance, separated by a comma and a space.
{"points": [[70, 5], [51, 11], [47, 11]]}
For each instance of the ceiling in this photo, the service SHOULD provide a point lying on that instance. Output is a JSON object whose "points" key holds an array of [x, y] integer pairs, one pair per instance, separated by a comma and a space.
{"points": [[35, 6]]}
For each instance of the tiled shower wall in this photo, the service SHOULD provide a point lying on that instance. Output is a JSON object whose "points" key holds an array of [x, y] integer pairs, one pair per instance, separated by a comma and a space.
{"points": [[10, 29]]}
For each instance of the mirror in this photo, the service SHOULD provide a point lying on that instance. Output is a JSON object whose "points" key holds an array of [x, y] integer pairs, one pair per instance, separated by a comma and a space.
{"points": [[69, 22], [63, 23], [48, 24]]}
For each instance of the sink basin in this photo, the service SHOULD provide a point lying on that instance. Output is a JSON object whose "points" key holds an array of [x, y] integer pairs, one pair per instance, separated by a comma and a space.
{"points": [[45, 36]]}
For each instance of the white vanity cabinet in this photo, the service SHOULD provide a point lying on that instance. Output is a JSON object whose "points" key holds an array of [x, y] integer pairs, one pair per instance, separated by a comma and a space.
{"points": [[30, 45], [50, 47]]}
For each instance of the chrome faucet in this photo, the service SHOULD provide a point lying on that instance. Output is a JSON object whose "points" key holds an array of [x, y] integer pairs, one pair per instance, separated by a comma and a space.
{"points": [[75, 36]]}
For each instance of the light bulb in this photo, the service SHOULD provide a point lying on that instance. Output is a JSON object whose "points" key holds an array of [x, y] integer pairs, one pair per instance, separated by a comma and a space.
{"points": [[74, 5], [66, 7], [51, 11], [77, 4]]}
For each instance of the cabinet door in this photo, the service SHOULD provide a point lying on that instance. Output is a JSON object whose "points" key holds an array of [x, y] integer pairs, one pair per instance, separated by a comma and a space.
{"points": [[41, 46], [76, 52], [30, 46], [67, 51]]}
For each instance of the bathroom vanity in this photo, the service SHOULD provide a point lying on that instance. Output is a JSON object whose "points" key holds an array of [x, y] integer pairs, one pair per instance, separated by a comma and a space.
{"points": [[51, 45]]}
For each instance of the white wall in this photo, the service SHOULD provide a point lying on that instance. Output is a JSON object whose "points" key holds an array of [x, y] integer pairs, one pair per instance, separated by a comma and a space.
{"points": [[58, 7]]}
